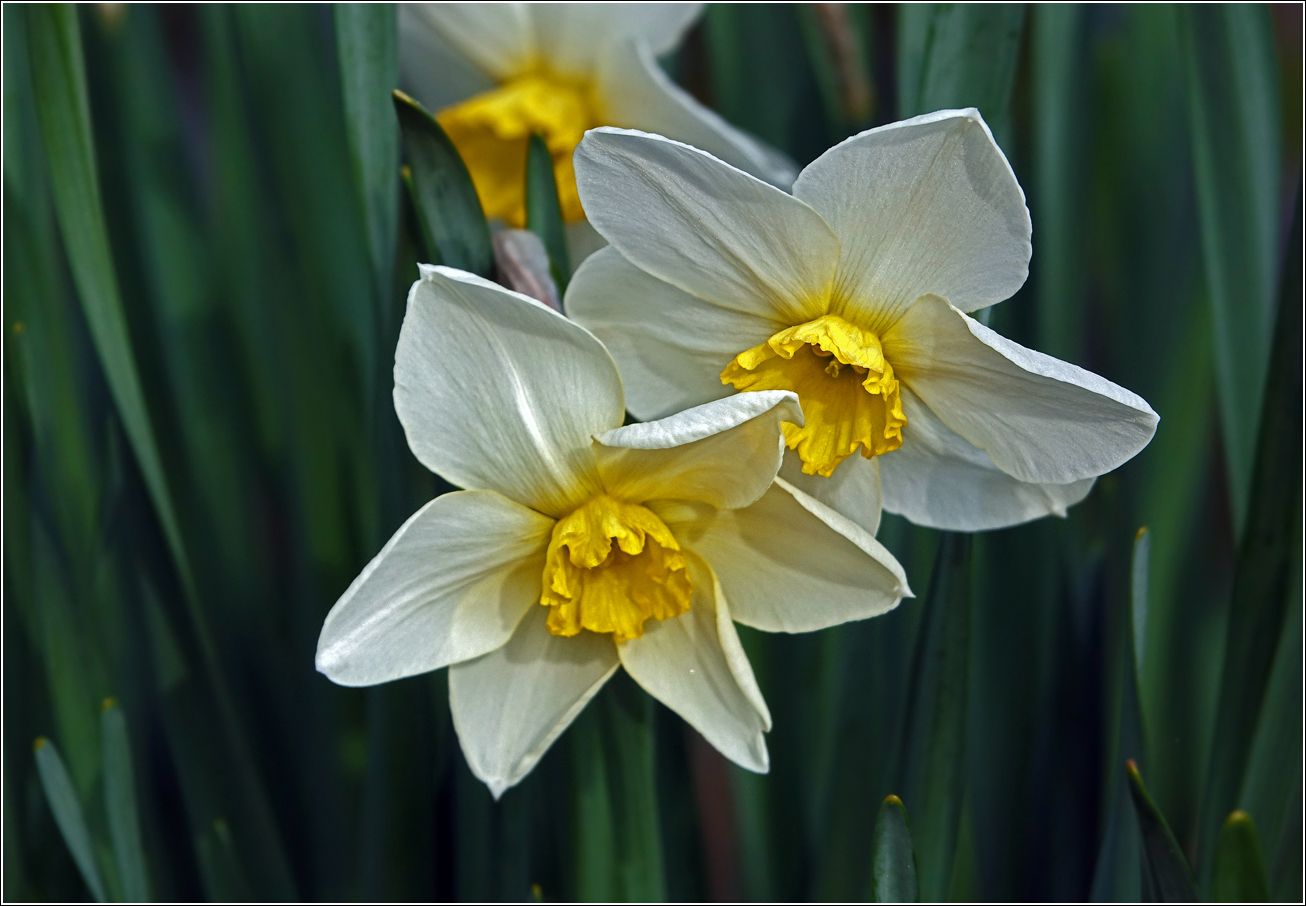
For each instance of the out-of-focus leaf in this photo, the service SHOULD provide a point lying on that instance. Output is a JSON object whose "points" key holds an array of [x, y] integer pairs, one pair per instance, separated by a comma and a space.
{"points": [[366, 46], [64, 111], [1060, 87], [220, 864], [1166, 876], [934, 744], [836, 50], [628, 725], [1139, 571], [596, 858], [893, 860], [959, 55], [454, 230], [1238, 874], [543, 211], [1263, 573], [120, 803], [1234, 109], [68, 815]]}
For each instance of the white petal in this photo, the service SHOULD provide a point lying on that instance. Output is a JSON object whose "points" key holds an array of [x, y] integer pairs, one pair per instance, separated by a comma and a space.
{"points": [[928, 205], [497, 37], [571, 36], [510, 705], [703, 226], [853, 490], [497, 391], [1040, 419], [452, 584], [671, 347], [939, 479], [788, 563], [725, 453], [434, 71], [695, 666], [634, 93]]}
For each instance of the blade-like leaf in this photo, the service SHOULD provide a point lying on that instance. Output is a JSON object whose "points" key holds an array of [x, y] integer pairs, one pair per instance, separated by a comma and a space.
{"points": [[220, 864], [453, 225], [628, 731], [120, 803], [544, 212], [68, 813], [959, 55], [366, 46], [1239, 872], [1166, 877], [1234, 109], [893, 860], [934, 744], [1262, 574], [595, 836]]}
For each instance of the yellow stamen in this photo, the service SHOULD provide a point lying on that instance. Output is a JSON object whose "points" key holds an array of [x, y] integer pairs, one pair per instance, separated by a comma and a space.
{"points": [[491, 132], [591, 583], [846, 387]]}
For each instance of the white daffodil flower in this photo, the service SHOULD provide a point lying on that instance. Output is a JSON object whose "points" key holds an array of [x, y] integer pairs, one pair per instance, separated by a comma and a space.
{"points": [[581, 545], [852, 292], [496, 73]]}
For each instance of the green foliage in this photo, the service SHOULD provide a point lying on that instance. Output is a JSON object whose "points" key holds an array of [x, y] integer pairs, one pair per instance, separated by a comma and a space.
{"points": [[209, 238]]}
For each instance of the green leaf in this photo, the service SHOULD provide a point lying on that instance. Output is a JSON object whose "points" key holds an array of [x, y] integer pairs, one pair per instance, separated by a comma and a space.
{"points": [[544, 212], [454, 230], [366, 46], [63, 107], [220, 864], [1263, 571], [68, 813], [893, 861], [1239, 874], [120, 803], [1139, 570], [596, 858], [1166, 877], [959, 55], [1234, 108], [628, 725], [934, 745]]}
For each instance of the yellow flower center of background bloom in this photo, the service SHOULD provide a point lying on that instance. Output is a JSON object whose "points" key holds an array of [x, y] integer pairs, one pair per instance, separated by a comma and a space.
{"points": [[592, 583], [844, 383], [491, 132]]}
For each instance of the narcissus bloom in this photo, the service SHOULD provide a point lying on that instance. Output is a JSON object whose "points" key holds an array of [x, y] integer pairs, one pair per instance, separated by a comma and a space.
{"points": [[499, 72], [852, 292], [581, 545]]}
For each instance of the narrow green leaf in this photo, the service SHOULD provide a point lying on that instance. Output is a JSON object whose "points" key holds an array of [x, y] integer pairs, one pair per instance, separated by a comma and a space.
{"points": [[68, 815], [1139, 571], [628, 731], [454, 230], [959, 55], [1263, 571], [366, 46], [120, 803], [934, 745], [544, 212], [63, 107], [220, 864], [893, 860], [595, 835], [1239, 873], [1166, 877], [1234, 109]]}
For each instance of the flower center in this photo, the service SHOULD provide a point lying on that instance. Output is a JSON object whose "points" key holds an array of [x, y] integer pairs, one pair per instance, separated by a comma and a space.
{"points": [[844, 383], [491, 132], [592, 583]]}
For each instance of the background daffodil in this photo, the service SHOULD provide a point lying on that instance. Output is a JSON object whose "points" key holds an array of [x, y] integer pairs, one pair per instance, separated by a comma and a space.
{"points": [[853, 292], [498, 73], [581, 545]]}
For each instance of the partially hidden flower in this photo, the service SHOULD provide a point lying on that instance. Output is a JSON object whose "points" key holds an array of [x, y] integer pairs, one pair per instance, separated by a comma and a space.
{"points": [[854, 293], [580, 545], [497, 73]]}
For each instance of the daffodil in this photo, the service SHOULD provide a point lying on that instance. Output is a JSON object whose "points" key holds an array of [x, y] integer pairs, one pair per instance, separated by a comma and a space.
{"points": [[497, 73], [854, 292], [580, 545]]}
